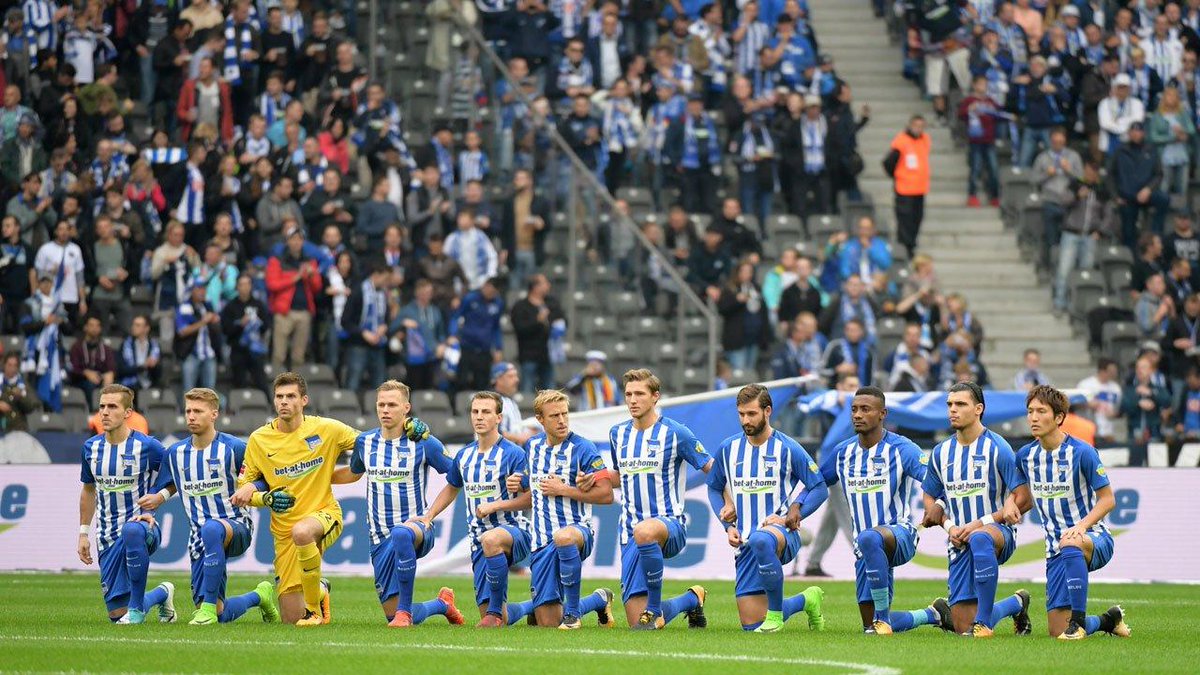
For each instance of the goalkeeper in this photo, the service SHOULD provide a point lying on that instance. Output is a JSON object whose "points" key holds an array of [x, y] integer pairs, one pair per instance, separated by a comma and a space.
{"points": [[288, 467]]}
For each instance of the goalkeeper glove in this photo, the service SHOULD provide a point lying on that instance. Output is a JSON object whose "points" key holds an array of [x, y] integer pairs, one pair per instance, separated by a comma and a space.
{"points": [[415, 429], [279, 500]]}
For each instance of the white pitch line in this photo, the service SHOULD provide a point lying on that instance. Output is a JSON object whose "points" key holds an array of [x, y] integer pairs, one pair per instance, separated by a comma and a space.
{"points": [[1145, 601], [849, 666]]}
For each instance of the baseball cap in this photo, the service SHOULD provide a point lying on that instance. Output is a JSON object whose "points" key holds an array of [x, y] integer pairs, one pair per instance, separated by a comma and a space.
{"points": [[811, 100], [825, 59], [1137, 126], [596, 355], [1121, 80], [1069, 10], [501, 368]]}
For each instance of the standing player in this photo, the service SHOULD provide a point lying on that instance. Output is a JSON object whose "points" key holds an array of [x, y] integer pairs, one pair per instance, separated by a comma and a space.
{"points": [[879, 472], [397, 457], [969, 478], [763, 468], [295, 455], [1072, 495], [204, 469], [567, 476], [647, 454], [499, 535], [119, 467]]}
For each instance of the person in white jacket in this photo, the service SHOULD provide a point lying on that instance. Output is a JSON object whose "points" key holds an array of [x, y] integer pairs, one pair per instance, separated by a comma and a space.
{"points": [[1117, 112], [472, 249]]}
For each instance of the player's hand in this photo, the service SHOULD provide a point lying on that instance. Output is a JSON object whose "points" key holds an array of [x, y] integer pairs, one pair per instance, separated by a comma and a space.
{"points": [[150, 502], [728, 513], [1075, 533], [243, 495], [553, 486], [415, 429], [585, 481], [775, 520], [513, 482], [279, 500], [85, 550], [792, 521], [484, 510], [1012, 514], [146, 518], [735, 537]]}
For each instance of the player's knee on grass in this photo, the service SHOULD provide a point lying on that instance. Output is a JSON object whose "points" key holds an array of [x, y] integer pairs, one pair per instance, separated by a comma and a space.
{"points": [[649, 532]]}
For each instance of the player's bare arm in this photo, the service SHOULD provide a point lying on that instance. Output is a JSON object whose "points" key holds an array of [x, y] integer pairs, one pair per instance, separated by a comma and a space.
{"points": [[87, 511]]}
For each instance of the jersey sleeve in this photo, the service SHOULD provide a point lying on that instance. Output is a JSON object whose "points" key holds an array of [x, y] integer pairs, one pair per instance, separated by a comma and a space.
{"points": [[804, 468], [829, 462], [690, 448], [85, 469], [517, 460], [1006, 462], [913, 460], [357, 465], [612, 450], [1092, 468], [252, 462], [166, 474], [589, 458], [239, 452], [1022, 456], [454, 474], [436, 455], [932, 483], [717, 476], [343, 436]]}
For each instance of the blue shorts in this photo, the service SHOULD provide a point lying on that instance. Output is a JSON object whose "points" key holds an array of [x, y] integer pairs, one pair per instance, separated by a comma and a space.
{"points": [[906, 548], [114, 577], [746, 566], [633, 580], [961, 581], [1057, 596], [383, 559], [545, 586], [237, 546], [520, 551]]}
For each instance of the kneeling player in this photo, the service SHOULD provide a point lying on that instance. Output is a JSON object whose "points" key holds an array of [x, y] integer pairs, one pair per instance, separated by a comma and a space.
{"points": [[204, 469], [761, 468], [124, 465], [499, 533], [1072, 495], [969, 478], [567, 476], [397, 457]]}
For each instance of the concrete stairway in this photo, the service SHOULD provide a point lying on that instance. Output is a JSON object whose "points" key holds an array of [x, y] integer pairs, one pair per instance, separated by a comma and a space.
{"points": [[972, 251]]}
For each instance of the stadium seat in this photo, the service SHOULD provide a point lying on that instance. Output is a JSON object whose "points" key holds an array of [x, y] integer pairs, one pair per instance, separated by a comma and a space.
{"points": [[701, 221], [424, 401], [74, 396], [317, 375], [39, 422], [695, 381], [156, 399], [462, 402], [585, 303], [635, 196], [241, 425], [249, 400], [77, 418], [1116, 336], [337, 403], [163, 423], [623, 304], [600, 328], [1116, 264], [740, 378], [823, 227], [1085, 288], [785, 228]]}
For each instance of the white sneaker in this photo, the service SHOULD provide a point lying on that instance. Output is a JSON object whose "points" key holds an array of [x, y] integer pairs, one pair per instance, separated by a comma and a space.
{"points": [[166, 611]]}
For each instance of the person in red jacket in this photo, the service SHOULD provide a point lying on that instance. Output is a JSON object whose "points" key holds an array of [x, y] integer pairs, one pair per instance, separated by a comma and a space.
{"points": [[978, 112], [293, 282], [206, 99]]}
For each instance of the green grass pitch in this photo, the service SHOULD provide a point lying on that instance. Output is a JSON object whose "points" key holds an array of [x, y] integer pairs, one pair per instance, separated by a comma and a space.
{"points": [[56, 622]]}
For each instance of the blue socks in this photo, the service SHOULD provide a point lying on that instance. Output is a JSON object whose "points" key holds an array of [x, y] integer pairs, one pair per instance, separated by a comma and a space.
{"points": [[792, 606], [983, 556], [1077, 581], [404, 547], [651, 556], [497, 578], [678, 605], [424, 610], [1091, 624], [591, 603], [212, 535], [569, 571], [137, 562], [516, 611], [902, 621], [870, 545], [1010, 606], [237, 605], [157, 596], [763, 545]]}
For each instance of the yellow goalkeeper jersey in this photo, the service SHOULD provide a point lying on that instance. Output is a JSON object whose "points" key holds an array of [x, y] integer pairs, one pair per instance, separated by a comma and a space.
{"points": [[302, 462]]}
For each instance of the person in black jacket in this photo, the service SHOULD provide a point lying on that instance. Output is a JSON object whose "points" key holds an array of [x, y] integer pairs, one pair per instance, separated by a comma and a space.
{"points": [[244, 322], [842, 144], [746, 328], [1135, 176], [536, 320], [738, 238], [709, 264], [365, 320]]}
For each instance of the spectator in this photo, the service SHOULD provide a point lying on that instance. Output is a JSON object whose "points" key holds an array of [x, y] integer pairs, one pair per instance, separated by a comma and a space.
{"points": [[959, 362], [1187, 413], [621, 129], [22, 154], [170, 269], [814, 177], [746, 329], [475, 329], [328, 205], [867, 255], [1031, 374], [523, 228], [1103, 392], [42, 320], [425, 331], [537, 320], [91, 364], [694, 150], [937, 29], [801, 351], [275, 209], [428, 207], [197, 342], [1154, 308], [1118, 113], [1094, 90], [127, 225], [473, 250], [218, 276], [980, 113], [843, 143], [593, 388], [1183, 243], [139, 360], [1179, 284], [913, 375], [1135, 177], [63, 256], [18, 276], [1058, 170], [853, 353], [1145, 83], [486, 218], [243, 321], [17, 400], [908, 165], [392, 255], [1089, 219], [802, 296], [956, 316], [444, 273], [339, 279], [110, 271], [757, 175], [709, 264], [206, 99], [1143, 402], [1172, 132], [1039, 99], [852, 304], [1149, 261], [910, 346], [377, 213], [293, 281], [365, 321], [34, 214], [505, 380], [1179, 342], [739, 240], [190, 210]]}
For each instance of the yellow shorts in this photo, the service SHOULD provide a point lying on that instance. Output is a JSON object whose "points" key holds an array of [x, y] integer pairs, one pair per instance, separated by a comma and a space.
{"points": [[287, 561]]}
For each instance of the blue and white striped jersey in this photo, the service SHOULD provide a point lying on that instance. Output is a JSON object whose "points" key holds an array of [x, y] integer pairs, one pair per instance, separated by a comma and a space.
{"points": [[565, 460], [206, 478], [482, 476], [1064, 482], [122, 473], [973, 480], [397, 473], [650, 463], [879, 482], [763, 480]]}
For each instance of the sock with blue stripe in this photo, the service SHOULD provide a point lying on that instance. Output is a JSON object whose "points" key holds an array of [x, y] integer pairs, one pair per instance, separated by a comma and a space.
{"points": [[983, 558], [237, 606], [404, 548], [1091, 624], [1076, 572], [770, 570], [569, 571], [591, 603], [424, 610], [750, 627], [137, 562], [902, 621], [870, 544], [651, 558], [1010, 606], [793, 605], [517, 611], [678, 605], [212, 536], [154, 596], [497, 579]]}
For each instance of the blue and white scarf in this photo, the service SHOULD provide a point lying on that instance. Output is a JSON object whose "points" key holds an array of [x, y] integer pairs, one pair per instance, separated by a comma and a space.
{"points": [[164, 155], [294, 23], [752, 141], [859, 355], [42, 350], [272, 110], [756, 35], [235, 212], [252, 333], [814, 132], [445, 163], [574, 75], [374, 309], [617, 126], [556, 343], [191, 206], [861, 310], [116, 169], [451, 355], [136, 354], [691, 143], [39, 17], [472, 165], [236, 41]]}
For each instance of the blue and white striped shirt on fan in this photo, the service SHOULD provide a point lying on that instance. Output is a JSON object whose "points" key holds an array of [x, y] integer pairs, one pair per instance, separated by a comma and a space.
{"points": [[122, 473], [746, 52], [973, 480], [482, 477], [1064, 482], [651, 468], [397, 473], [294, 23], [39, 17], [879, 482], [206, 478], [565, 460], [763, 480], [472, 165], [191, 205]]}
